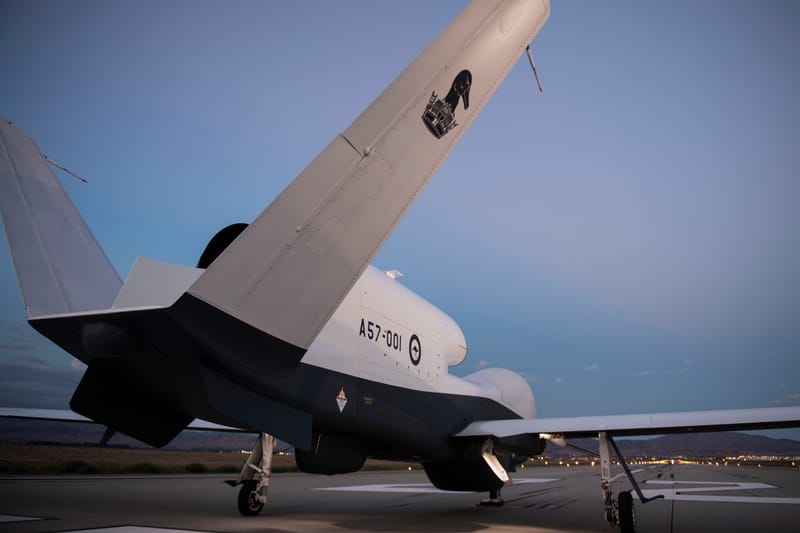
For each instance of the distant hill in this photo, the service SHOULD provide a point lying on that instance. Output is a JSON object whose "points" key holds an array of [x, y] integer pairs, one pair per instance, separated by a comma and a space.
{"points": [[691, 445], [694, 445]]}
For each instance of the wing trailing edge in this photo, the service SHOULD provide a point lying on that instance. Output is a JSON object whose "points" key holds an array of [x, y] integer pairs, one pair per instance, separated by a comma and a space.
{"points": [[63, 415]]}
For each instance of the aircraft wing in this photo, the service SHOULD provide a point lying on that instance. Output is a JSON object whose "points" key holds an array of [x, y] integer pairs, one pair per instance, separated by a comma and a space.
{"points": [[63, 415], [290, 269], [639, 424]]}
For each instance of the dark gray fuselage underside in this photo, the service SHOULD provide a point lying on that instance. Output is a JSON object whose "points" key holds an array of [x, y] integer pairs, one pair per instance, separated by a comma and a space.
{"points": [[198, 361]]}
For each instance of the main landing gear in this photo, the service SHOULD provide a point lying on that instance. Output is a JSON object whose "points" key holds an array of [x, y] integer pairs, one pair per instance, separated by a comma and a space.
{"points": [[254, 477], [491, 460], [619, 511]]}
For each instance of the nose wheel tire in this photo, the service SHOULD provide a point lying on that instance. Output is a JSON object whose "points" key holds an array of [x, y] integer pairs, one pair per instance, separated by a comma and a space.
{"points": [[627, 515], [248, 502]]}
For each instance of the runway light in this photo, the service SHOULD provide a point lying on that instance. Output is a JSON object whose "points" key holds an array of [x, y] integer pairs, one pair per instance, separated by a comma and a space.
{"points": [[592, 463], [409, 469]]}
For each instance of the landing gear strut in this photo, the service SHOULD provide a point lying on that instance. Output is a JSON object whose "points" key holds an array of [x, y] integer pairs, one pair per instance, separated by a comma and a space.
{"points": [[494, 499], [619, 512], [254, 477], [487, 453]]}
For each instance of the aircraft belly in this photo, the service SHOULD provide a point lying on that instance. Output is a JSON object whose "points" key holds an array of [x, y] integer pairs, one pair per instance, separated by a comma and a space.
{"points": [[422, 421], [388, 417]]}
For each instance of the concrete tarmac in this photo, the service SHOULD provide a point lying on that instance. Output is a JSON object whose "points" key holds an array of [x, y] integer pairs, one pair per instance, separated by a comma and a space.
{"points": [[699, 498]]}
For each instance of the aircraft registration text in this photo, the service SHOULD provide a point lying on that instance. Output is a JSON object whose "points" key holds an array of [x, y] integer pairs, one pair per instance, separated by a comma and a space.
{"points": [[373, 331]]}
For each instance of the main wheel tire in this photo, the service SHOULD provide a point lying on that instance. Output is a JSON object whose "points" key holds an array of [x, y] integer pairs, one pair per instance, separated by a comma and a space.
{"points": [[627, 515], [248, 501]]}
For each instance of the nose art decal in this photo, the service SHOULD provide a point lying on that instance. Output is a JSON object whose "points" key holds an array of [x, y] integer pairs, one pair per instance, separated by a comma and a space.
{"points": [[440, 115]]}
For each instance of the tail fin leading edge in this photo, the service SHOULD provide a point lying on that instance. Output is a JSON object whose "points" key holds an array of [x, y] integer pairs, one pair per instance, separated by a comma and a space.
{"points": [[60, 266]]}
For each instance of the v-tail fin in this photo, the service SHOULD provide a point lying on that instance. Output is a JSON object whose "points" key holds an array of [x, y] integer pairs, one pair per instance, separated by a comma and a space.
{"points": [[60, 266], [287, 273]]}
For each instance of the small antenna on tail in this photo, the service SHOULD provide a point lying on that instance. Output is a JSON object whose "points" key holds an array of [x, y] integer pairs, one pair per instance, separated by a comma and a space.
{"points": [[533, 66], [65, 169]]}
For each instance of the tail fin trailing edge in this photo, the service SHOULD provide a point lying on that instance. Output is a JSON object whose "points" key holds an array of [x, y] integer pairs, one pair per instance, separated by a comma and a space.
{"points": [[60, 266]]}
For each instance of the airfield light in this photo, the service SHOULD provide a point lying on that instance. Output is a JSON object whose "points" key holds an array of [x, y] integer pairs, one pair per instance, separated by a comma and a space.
{"points": [[409, 469], [592, 463], [546, 463]]}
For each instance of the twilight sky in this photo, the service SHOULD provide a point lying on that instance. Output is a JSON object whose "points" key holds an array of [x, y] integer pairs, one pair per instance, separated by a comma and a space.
{"points": [[629, 240]]}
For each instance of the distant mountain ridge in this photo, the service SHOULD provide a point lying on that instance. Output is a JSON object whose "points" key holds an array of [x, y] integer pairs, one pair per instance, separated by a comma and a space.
{"points": [[694, 445]]}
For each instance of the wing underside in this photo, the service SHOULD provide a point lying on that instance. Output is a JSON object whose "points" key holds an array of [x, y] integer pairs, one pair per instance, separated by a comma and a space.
{"points": [[639, 424]]}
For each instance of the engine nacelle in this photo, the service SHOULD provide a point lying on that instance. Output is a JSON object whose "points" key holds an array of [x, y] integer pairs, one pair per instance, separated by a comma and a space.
{"points": [[332, 454], [466, 470], [520, 446]]}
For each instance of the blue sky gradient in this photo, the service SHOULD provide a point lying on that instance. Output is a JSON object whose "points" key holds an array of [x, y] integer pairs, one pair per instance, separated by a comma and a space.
{"points": [[627, 240]]}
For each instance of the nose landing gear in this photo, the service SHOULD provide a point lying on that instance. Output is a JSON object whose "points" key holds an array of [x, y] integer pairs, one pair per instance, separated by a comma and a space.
{"points": [[254, 477]]}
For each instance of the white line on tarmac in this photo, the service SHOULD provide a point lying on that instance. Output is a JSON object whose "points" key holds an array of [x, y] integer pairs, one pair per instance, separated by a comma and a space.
{"points": [[419, 488], [135, 529], [681, 490]]}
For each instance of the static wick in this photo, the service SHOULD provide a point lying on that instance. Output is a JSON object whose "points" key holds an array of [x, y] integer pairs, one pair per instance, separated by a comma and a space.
{"points": [[533, 66], [65, 169]]}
